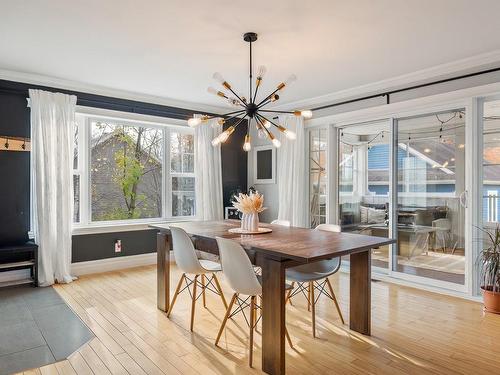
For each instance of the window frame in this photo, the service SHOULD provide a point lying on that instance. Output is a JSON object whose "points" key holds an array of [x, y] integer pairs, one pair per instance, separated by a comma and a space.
{"points": [[84, 120]]}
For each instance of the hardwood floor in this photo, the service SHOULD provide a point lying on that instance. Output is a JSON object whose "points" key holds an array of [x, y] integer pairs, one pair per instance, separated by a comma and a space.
{"points": [[413, 332]]}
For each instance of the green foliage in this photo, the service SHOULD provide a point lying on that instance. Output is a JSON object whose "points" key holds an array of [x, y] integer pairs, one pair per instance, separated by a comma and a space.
{"points": [[489, 261], [128, 175]]}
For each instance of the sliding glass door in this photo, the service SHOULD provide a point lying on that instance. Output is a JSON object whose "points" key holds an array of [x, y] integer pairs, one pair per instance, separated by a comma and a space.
{"points": [[364, 183], [405, 178], [431, 197]]}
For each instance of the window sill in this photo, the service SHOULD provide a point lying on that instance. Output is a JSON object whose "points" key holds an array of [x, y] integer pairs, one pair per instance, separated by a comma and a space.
{"points": [[97, 228]]}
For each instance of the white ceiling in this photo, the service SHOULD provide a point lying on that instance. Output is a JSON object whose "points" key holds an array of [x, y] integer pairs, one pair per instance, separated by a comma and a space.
{"points": [[171, 48]]}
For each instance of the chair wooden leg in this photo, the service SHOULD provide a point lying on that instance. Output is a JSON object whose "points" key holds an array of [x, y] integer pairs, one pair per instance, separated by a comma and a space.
{"points": [[228, 312], [179, 284], [313, 307], [288, 299], [220, 290], [335, 300], [288, 338], [203, 290], [193, 303], [252, 320]]}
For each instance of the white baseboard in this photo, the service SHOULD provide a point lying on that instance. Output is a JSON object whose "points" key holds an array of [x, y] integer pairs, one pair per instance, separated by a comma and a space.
{"points": [[112, 264]]}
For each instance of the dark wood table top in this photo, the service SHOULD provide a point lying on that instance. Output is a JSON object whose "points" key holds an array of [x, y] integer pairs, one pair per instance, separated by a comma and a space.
{"points": [[303, 245]]}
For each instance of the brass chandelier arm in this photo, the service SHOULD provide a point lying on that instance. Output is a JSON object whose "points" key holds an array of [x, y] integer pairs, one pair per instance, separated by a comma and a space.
{"points": [[267, 98], [241, 100], [260, 117], [270, 121]]}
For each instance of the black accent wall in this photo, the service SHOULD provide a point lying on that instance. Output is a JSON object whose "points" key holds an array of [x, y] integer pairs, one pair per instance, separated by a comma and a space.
{"points": [[234, 164], [15, 171]]}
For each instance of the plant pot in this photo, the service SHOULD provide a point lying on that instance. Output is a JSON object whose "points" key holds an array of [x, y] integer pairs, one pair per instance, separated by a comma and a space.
{"points": [[491, 300]]}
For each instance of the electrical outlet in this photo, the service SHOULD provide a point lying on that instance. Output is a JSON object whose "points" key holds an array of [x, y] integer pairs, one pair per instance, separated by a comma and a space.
{"points": [[118, 246]]}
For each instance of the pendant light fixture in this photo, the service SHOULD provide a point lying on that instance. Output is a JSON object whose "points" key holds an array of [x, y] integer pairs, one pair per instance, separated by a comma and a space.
{"points": [[249, 108]]}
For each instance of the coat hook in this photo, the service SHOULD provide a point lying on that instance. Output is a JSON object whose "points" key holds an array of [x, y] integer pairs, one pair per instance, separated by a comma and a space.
{"points": [[6, 143]]}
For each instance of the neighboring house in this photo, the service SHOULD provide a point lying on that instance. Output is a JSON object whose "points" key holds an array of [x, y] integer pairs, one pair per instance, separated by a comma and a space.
{"points": [[108, 201]]}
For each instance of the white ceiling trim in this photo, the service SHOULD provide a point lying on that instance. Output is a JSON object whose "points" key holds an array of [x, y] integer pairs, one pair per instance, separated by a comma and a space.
{"points": [[59, 83], [467, 64]]}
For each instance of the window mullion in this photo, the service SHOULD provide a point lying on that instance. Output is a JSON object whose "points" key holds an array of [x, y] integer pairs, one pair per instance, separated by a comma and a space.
{"points": [[167, 179]]}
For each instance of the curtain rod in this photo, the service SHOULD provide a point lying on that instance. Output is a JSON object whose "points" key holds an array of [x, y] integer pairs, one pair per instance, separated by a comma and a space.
{"points": [[387, 94]]}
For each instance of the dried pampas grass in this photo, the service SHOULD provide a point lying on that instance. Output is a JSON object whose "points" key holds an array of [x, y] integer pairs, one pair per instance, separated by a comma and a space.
{"points": [[249, 203]]}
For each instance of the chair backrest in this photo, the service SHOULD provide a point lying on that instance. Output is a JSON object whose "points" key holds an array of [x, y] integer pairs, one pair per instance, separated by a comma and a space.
{"points": [[284, 223], [329, 227], [237, 268], [444, 224], [328, 265], [184, 252]]}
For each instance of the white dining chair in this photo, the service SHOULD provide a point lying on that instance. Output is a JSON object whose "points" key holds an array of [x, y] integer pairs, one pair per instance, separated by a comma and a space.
{"points": [[314, 277], [284, 223], [240, 276], [202, 272]]}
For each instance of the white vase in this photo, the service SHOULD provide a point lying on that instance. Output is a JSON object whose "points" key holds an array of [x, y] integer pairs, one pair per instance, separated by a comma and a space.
{"points": [[244, 221], [250, 222], [253, 222]]}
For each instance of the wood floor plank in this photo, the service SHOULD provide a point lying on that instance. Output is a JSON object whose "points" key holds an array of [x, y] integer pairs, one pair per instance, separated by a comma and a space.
{"points": [[65, 368]]}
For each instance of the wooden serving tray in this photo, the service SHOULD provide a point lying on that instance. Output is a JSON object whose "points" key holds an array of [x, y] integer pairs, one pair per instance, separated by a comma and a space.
{"points": [[242, 231]]}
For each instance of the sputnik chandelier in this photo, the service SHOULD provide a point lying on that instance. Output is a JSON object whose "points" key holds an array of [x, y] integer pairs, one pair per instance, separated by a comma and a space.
{"points": [[249, 107]]}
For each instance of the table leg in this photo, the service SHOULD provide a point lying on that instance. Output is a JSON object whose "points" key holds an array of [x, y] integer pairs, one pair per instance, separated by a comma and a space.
{"points": [[163, 271], [360, 292], [273, 316]]}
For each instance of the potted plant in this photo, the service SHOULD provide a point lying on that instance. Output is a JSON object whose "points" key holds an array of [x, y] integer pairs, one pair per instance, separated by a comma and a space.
{"points": [[489, 264]]}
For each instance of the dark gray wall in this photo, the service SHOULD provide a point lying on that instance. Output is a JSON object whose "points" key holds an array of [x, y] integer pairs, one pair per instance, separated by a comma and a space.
{"points": [[15, 171], [101, 246]]}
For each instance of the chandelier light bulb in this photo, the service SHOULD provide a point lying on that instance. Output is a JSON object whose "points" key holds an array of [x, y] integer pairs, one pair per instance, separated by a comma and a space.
{"points": [[219, 78], [247, 146], [213, 91], [215, 141], [194, 121], [289, 134], [261, 71], [224, 136], [267, 124], [291, 79], [306, 114], [276, 143], [234, 102]]}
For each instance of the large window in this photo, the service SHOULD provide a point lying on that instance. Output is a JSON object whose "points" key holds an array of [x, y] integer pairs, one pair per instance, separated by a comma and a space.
{"points": [[121, 171]]}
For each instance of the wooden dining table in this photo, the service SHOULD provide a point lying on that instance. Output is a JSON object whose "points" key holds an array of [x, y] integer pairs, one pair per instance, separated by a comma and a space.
{"points": [[274, 252]]}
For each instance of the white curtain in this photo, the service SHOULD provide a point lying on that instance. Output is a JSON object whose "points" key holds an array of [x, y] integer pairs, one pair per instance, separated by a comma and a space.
{"points": [[291, 166], [52, 132], [208, 172]]}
